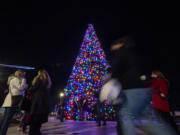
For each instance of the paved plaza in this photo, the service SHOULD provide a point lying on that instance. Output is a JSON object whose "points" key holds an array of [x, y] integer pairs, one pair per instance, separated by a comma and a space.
{"points": [[55, 127]]}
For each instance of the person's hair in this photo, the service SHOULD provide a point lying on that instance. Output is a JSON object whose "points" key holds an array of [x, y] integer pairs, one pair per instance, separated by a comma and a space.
{"points": [[44, 76], [18, 73], [160, 75], [128, 41]]}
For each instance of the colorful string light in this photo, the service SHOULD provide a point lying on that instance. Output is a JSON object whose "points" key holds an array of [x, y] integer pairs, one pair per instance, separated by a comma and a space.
{"points": [[87, 76]]}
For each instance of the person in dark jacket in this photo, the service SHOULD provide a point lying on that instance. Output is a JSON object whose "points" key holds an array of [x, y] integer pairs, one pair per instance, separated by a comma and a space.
{"points": [[39, 103], [100, 111], [127, 67], [61, 107], [127, 63]]}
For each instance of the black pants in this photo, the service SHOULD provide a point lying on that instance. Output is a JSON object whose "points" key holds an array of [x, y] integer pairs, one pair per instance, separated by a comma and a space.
{"points": [[61, 113], [100, 113], [35, 128], [168, 119], [117, 118], [25, 121]]}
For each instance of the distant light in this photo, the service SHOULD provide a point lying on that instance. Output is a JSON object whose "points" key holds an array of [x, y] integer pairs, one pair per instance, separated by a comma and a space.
{"points": [[15, 66], [61, 94]]}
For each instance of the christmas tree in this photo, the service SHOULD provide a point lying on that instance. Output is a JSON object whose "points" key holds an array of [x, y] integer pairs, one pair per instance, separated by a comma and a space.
{"points": [[86, 78]]}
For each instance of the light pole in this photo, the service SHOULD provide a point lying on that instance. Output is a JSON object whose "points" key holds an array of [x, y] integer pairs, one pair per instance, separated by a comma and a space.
{"points": [[61, 106]]}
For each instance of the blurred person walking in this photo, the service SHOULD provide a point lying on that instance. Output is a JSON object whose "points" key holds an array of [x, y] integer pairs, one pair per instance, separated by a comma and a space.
{"points": [[127, 68]]}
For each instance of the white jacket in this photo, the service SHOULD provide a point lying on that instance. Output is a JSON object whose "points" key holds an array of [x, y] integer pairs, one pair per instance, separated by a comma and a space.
{"points": [[16, 87], [110, 91]]}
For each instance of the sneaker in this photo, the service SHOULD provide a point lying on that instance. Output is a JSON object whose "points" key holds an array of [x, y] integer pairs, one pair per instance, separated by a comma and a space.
{"points": [[99, 124], [19, 129]]}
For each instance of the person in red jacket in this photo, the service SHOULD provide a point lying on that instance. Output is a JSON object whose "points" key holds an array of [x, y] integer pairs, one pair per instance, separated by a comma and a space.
{"points": [[160, 97], [159, 100]]}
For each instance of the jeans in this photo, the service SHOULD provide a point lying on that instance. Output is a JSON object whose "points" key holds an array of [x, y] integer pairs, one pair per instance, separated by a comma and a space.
{"points": [[166, 117], [2, 110], [6, 119], [135, 102]]}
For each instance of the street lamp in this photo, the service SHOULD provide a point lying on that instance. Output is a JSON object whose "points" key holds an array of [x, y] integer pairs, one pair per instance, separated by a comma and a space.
{"points": [[61, 94]]}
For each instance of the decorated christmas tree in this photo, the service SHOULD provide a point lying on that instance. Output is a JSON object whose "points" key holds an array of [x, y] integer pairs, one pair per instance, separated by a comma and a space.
{"points": [[86, 78]]}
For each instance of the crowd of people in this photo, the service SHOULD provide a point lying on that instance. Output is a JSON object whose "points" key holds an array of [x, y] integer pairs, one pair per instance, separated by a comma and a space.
{"points": [[33, 100], [125, 87], [131, 93], [80, 108]]}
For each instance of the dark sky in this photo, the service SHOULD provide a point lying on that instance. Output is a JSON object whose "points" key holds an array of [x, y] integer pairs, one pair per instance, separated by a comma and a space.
{"points": [[44, 33]]}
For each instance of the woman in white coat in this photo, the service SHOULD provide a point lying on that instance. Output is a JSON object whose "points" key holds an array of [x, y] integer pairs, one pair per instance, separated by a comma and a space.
{"points": [[16, 87]]}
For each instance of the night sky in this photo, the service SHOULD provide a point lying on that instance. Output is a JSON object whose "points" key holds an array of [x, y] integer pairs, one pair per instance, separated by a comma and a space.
{"points": [[48, 34]]}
